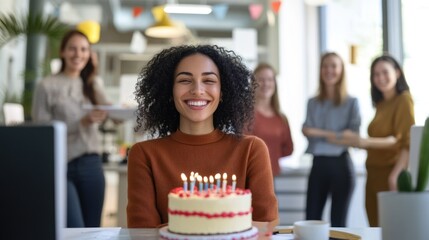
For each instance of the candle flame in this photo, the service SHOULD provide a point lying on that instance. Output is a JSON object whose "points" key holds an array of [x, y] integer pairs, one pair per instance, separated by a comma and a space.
{"points": [[206, 179], [192, 174], [217, 176], [199, 178], [191, 178], [225, 176], [211, 179], [184, 178], [234, 177]]}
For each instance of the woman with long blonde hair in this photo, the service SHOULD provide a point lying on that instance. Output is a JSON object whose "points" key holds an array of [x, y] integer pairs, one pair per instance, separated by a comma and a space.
{"points": [[331, 112]]}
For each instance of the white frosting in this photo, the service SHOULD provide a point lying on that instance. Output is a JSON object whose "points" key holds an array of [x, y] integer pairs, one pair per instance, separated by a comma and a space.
{"points": [[238, 206]]}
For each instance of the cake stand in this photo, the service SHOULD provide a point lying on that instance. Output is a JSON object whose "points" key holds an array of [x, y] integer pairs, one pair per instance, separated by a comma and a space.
{"points": [[248, 235]]}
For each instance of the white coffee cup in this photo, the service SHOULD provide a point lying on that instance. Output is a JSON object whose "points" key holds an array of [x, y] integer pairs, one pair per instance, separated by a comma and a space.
{"points": [[311, 230]]}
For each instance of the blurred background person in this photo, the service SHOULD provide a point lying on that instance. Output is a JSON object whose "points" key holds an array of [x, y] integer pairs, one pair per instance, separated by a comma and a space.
{"points": [[389, 131], [329, 113], [270, 123], [61, 97]]}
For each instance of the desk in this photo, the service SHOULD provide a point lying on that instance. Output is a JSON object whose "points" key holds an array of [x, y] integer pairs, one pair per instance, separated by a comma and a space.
{"points": [[150, 233]]}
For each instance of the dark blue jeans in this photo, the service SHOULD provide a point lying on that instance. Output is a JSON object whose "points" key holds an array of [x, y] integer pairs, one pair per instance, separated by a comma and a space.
{"points": [[334, 176], [85, 191]]}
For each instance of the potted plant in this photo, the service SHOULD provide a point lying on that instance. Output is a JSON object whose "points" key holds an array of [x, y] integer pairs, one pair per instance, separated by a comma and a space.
{"points": [[404, 214], [13, 25]]}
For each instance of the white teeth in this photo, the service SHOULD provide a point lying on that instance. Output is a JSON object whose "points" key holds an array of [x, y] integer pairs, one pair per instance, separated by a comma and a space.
{"points": [[197, 103]]}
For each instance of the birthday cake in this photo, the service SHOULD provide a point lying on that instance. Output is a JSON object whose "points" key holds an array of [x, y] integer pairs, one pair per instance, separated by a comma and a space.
{"points": [[209, 211]]}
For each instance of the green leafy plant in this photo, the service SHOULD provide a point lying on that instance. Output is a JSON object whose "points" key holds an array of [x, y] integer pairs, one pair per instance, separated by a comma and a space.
{"points": [[13, 25], [404, 179]]}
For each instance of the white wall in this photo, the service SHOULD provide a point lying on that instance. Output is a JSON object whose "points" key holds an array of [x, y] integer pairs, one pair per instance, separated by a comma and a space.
{"points": [[292, 77], [415, 18]]}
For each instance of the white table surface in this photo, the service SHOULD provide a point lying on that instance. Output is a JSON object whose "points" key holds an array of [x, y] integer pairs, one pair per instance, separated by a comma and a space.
{"points": [[151, 233]]}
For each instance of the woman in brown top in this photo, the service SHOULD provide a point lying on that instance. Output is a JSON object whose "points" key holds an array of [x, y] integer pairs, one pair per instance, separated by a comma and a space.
{"points": [[61, 97], [270, 123], [389, 132], [196, 99]]}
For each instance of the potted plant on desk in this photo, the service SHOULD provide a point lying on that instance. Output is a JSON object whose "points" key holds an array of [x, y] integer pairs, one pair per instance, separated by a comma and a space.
{"points": [[404, 214]]}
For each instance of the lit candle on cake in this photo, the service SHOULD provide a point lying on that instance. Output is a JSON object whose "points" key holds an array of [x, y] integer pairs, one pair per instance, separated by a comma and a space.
{"points": [[200, 183], [217, 177], [185, 183], [224, 176], [234, 182], [211, 178], [192, 180], [206, 183]]}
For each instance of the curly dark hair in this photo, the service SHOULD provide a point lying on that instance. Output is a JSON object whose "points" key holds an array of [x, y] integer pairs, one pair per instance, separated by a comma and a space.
{"points": [[401, 82], [156, 113]]}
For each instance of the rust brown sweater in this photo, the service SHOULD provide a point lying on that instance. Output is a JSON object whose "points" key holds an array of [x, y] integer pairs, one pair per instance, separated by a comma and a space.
{"points": [[276, 134], [154, 168]]}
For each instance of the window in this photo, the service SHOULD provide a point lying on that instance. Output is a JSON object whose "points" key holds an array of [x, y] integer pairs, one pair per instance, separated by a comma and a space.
{"points": [[416, 49]]}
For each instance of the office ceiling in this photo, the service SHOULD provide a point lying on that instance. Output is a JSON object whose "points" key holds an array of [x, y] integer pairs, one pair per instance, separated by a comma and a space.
{"points": [[118, 13]]}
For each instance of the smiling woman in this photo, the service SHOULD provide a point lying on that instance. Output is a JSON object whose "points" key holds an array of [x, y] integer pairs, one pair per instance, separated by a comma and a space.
{"points": [[389, 131], [62, 97], [196, 93], [198, 99]]}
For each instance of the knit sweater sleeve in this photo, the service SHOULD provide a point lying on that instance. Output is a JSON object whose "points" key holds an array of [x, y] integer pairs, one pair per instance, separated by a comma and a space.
{"points": [[354, 117], [403, 120], [99, 92], [141, 209], [260, 182], [41, 107]]}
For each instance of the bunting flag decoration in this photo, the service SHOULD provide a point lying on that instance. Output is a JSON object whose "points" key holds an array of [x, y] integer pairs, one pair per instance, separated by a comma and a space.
{"points": [[255, 10], [275, 6], [220, 10], [137, 11]]}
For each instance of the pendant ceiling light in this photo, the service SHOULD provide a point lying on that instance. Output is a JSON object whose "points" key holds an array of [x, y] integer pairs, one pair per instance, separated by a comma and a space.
{"points": [[317, 3], [165, 28], [91, 29], [187, 8]]}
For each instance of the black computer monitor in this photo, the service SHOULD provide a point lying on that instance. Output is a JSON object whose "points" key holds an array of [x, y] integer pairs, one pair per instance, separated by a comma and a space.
{"points": [[33, 181]]}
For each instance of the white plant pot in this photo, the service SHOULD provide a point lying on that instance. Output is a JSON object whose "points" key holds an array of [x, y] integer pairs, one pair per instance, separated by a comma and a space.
{"points": [[404, 215]]}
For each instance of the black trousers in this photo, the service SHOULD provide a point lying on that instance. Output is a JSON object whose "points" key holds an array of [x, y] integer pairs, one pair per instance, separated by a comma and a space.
{"points": [[334, 176]]}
